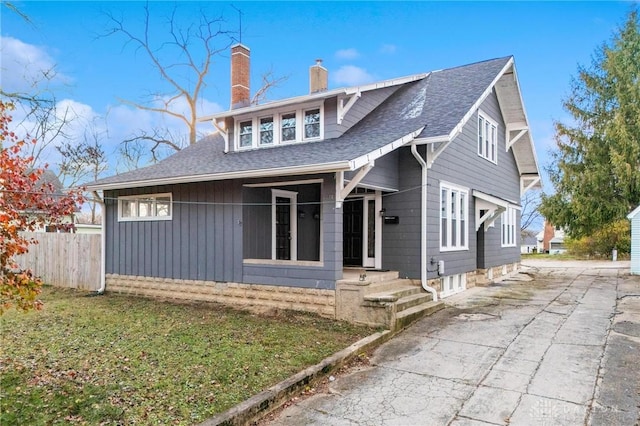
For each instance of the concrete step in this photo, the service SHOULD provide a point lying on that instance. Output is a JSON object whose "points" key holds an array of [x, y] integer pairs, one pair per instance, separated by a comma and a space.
{"points": [[412, 300], [393, 294], [389, 286], [352, 276], [408, 316]]}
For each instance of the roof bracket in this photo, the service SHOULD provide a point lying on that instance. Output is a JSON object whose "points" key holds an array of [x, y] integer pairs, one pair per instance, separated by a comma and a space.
{"points": [[223, 132], [527, 182], [489, 217], [343, 109], [433, 152], [511, 138], [343, 191]]}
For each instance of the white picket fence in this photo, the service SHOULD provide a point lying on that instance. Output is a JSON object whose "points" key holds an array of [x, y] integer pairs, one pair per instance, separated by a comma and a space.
{"points": [[65, 260]]}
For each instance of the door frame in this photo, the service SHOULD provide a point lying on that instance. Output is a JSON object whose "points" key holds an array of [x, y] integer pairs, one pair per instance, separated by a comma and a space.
{"points": [[293, 221], [376, 261]]}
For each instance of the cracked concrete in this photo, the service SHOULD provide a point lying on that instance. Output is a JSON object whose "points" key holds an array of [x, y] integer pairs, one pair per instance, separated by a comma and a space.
{"points": [[561, 349]]}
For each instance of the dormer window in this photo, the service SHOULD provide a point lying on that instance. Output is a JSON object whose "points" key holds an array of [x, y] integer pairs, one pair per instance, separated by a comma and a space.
{"points": [[312, 123], [283, 126], [246, 134], [288, 123], [266, 131]]}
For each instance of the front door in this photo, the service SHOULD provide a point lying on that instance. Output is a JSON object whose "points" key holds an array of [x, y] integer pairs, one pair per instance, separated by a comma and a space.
{"points": [[285, 241], [353, 235]]}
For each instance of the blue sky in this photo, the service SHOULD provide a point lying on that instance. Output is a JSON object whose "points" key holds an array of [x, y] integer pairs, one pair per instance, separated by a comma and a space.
{"points": [[359, 42]]}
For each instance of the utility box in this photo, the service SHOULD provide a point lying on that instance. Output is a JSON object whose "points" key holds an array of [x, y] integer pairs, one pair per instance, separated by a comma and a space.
{"points": [[634, 217]]}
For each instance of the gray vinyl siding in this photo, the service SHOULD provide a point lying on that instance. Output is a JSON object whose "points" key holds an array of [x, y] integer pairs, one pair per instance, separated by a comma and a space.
{"points": [[204, 238], [460, 165], [384, 175]]}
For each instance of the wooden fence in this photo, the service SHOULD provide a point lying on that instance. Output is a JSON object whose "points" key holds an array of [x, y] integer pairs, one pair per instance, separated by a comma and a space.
{"points": [[65, 260]]}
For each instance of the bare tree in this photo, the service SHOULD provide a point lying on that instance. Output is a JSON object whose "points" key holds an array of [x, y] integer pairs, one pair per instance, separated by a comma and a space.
{"points": [[84, 160], [530, 215], [197, 45]]}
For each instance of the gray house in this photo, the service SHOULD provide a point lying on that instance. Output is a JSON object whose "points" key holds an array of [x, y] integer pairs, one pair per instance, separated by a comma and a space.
{"points": [[357, 203]]}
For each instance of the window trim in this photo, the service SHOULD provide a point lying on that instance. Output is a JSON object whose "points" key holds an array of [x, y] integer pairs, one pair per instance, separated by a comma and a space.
{"points": [[122, 218], [508, 220], [480, 132], [277, 114], [460, 190]]}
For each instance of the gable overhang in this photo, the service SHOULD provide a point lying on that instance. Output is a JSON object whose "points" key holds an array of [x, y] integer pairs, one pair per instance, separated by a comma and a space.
{"points": [[518, 135]]}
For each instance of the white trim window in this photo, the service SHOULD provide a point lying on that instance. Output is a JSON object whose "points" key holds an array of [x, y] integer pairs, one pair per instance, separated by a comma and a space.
{"points": [[453, 284], [508, 220], [454, 217], [245, 130], [282, 126], [487, 138], [145, 207]]}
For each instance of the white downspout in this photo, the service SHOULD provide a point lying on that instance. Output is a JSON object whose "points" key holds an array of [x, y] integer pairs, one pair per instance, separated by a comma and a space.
{"points": [[423, 225], [103, 243]]}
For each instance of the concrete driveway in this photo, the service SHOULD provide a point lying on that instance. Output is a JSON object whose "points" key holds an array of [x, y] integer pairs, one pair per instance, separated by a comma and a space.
{"points": [[559, 345]]}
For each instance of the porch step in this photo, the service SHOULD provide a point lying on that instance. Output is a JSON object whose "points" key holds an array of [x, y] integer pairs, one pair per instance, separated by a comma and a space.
{"points": [[413, 300], [393, 294], [408, 316], [389, 286]]}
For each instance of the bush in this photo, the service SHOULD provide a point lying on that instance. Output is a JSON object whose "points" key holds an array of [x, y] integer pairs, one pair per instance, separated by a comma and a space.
{"points": [[602, 242]]}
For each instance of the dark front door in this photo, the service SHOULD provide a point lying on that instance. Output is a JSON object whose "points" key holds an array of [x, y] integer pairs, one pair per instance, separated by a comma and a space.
{"points": [[283, 228], [352, 238]]}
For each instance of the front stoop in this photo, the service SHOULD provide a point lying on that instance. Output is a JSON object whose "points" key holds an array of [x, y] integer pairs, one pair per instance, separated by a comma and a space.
{"points": [[385, 300]]}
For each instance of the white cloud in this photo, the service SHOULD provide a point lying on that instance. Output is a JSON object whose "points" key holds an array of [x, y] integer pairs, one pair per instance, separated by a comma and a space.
{"points": [[27, 68], [388, 49], [351, 76], [347, 54]]}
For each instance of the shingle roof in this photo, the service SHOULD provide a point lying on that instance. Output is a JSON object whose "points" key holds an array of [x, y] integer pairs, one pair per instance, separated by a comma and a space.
{"points": [[437, 102]]}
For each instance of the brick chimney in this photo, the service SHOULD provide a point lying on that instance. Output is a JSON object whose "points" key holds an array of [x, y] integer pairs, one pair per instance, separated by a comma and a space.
{"points": [[318, 77], [240, 75]]}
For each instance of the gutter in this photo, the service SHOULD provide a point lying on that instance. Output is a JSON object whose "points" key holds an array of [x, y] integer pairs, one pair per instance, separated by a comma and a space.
{"points": [[423, 225], [103, 244]]}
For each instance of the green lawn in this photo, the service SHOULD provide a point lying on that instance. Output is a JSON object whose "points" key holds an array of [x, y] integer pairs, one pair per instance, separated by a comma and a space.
{"points": [[115, 359]]}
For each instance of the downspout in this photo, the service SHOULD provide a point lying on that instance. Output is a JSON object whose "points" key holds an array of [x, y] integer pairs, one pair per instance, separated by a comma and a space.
{"points": [[423, 225], [103, 243]]}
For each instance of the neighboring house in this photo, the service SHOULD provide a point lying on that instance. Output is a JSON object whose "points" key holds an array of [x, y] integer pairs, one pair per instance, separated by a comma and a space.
{"points": [[551, 239], [529, 244], [634, 217], [420, 176]]}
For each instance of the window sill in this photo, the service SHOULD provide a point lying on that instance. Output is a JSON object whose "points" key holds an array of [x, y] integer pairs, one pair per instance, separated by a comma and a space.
{"points": [[449, 249], [276, 262]]}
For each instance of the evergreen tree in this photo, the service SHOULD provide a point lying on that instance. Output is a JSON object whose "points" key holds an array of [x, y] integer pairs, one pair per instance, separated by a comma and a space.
{"points": [[596, 167]]}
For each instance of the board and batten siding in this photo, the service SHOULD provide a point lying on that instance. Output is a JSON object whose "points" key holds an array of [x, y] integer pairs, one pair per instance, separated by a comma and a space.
{"points": [[200, 242], [204, 239], [459, 164]]}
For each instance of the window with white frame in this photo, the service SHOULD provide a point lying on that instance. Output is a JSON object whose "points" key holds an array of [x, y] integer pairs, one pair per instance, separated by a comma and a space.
{"points": [[266, 131], [145, 207], [487, 138], [283, 126], [508, 220], [454, 217], [288, 127], [246, 134], [312, 123]]}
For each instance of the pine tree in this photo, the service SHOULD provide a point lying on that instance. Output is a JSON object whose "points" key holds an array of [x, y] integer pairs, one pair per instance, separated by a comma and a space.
{"points": [[596, 167]]}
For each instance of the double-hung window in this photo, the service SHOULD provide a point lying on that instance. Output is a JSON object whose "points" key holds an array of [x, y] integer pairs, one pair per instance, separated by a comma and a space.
{"points": [[246, 134], [288, 127], [312, 123], [454, 217], [266, 131], [487, 138], [508, 220], [144, 207]]}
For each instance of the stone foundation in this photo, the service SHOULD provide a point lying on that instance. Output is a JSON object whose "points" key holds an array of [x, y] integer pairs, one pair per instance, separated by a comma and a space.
{"points": [[245, 296]]}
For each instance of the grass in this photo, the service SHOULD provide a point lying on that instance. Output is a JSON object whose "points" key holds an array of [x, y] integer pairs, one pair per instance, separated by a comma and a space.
{"points": [[115, 359]]}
